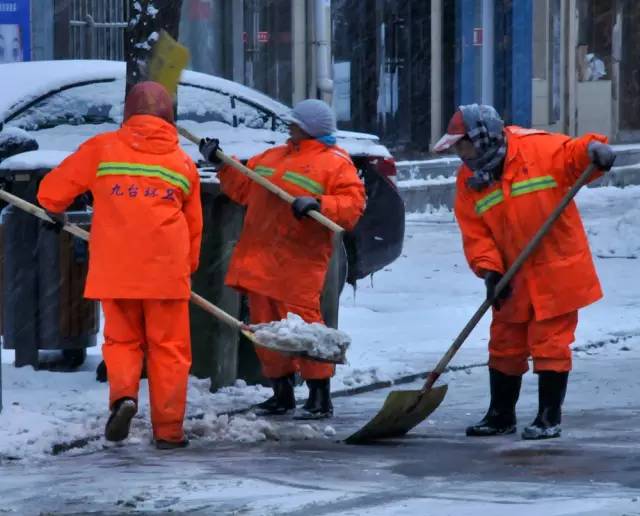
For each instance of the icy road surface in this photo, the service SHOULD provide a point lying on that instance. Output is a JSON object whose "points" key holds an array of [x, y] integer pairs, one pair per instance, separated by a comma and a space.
{"points": [[399, 324]]}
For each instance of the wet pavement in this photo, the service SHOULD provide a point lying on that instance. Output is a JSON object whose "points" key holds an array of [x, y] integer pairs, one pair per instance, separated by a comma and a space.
{"points": [[593, 469]]}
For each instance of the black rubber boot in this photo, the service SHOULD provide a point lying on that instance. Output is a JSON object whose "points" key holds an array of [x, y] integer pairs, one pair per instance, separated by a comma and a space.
{"points": [[101, 372], [552, 388], [319, 405], [283, 399], [500, 419], [122, 412]]}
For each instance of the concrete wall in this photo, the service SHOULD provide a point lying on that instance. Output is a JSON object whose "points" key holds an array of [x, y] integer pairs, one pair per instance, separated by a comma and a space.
{"points": [[594, 107]]}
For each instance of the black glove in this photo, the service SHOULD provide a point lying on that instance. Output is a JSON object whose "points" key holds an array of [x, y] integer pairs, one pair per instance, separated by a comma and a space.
{"points": [[491, 279], [303, 205], [601, 155], [59, 220], [208, 148]]}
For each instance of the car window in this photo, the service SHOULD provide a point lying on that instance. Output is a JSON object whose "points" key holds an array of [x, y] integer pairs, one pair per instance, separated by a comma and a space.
{"points": [[100, 103], [95, 103], [203, 105], [253, 116]]}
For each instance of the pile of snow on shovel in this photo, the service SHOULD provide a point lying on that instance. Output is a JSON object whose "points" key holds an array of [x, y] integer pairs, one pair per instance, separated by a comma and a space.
{"points": [[294, 334]]}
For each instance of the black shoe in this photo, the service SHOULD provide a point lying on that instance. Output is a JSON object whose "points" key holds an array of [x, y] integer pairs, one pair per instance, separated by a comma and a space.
{"points": [[500, 419], [319, 405], [101, 372], [283, 399], [552, 388], [171, 445], [119, 421]]}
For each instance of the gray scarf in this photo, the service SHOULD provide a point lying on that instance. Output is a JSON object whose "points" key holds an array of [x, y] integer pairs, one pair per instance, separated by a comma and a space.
{"points": [[485, 129]]}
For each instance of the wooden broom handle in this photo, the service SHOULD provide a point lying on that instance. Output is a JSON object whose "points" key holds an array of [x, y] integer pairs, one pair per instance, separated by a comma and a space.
{"points": [[77, 231], [282, 194]]}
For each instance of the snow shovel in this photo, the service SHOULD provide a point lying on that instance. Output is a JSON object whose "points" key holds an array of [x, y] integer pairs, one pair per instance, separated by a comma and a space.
{"points": [[207, 306], [168, 59], [282, 194], [403, 410]]}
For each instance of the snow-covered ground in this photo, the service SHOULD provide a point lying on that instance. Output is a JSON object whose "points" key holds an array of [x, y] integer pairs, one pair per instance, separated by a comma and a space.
{"points": [[400, 323]]}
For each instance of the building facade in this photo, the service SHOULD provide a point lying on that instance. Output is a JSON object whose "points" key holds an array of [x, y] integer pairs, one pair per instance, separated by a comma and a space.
{"points": [[396, 68]]}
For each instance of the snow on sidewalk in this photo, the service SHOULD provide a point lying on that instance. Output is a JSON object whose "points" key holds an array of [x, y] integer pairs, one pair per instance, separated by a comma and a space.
{"points": [[409, 314], [400, 322], [44, 409]]}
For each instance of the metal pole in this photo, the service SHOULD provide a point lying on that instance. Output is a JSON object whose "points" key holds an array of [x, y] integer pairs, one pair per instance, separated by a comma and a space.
{"points": [[322, 25], [436, 70], [298, 30], [487, 51]]}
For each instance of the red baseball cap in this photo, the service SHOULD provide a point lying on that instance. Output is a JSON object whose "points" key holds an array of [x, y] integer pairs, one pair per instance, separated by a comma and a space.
{"points": [[149, 98], [456, 130]]}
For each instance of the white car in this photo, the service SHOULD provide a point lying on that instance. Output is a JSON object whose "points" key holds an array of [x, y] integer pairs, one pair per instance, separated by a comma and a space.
{"points": [[63, 103]]}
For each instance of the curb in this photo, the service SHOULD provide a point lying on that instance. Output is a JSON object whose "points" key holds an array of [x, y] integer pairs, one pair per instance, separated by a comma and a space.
{"points": [[410, 378]]}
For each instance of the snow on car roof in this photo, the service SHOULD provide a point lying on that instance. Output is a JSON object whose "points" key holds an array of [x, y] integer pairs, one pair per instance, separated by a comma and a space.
{"points": [[21, 83], [34, 160]]}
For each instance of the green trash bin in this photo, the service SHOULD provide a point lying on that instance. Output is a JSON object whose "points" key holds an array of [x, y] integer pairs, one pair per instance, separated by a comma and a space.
{"points": [[214, 344]]}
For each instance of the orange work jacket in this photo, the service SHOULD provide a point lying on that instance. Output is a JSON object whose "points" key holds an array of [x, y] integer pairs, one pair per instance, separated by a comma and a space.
{"points": [[277, 255], [498, 222], [147, 217]]}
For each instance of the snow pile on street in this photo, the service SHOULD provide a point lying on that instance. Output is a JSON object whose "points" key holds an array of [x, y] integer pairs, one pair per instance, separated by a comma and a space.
{"points": [[44, 409], [249, 429], [612, 220], [294, 334], [366, 376]]}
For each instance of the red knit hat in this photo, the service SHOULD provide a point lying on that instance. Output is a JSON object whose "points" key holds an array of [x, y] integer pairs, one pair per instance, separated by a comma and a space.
{"points": [[455, 131], [149, 98]]}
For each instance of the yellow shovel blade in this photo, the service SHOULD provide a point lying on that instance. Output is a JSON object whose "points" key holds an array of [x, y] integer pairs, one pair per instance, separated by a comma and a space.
{"points": [[168, 59], [402, 411]]}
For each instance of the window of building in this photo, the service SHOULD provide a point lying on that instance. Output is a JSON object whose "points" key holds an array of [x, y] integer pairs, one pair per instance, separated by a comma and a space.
{"points": [[630, 69], [381, 67], [593, 59], [267, 47]]}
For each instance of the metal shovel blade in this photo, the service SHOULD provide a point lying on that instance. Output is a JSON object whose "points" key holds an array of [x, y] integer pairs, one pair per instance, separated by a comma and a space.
{"points": [[402, 410]]}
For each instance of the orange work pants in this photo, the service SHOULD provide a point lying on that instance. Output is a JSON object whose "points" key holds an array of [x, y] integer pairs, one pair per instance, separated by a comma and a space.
{"points": [[264, 309], [547, 342], [158, 329]]}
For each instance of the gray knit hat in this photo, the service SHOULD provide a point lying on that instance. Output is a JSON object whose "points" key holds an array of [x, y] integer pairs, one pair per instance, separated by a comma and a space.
{"points": [[314, 117]]}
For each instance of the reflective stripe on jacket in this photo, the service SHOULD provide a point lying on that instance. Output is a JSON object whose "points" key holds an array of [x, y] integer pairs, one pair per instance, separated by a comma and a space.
{"points": [[277, 255], [147, 219]]}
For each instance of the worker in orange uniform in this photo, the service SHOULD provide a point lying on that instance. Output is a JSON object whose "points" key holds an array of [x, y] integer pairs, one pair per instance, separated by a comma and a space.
{"points": [[144, 246], [510, 181], [282, 256]]}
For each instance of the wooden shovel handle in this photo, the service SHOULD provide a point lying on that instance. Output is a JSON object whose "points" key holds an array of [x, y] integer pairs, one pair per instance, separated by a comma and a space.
{"points": [[41, 214], [282, 194], [77, 231], [508, 276]]}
